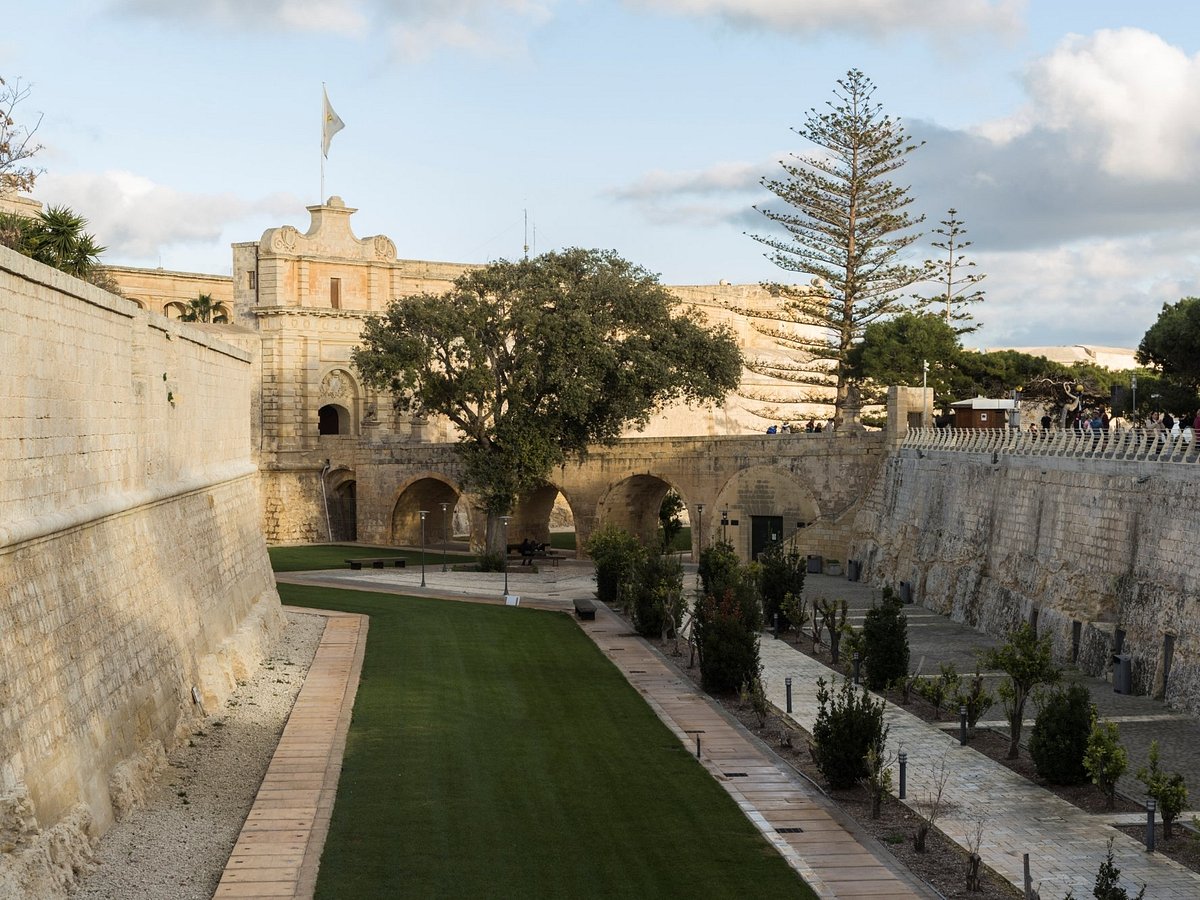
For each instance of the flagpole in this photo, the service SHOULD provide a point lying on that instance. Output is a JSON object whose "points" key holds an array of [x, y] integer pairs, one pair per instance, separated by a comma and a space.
{"points": [[321, 195]]}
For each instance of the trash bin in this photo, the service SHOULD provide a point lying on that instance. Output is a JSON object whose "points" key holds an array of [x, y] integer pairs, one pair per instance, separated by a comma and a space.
{"points": [[906, 592], [1122, 673], [814, 563], [853, 569]]}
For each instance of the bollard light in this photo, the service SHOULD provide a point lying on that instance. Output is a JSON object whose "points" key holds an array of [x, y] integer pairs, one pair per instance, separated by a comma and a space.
{"points": [[962, 726], [697, 746], [777, 626], [788, 683], [1150, 805], [857, 664], [903, 772]]}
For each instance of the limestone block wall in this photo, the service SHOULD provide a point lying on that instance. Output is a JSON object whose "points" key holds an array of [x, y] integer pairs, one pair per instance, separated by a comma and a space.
{"points": [[1086, 548], [132, 564]]}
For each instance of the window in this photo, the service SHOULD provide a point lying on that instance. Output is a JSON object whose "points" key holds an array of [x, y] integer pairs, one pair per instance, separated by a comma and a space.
{"points": [[252, 280], [335, 293]]}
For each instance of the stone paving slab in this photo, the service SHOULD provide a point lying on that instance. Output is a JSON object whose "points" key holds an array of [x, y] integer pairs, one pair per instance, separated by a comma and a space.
{"points": [[279, 849], [1066, 845]]}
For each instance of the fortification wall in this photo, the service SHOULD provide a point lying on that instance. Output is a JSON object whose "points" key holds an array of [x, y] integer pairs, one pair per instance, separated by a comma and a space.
{"points": [[1083, 547], [132, 564]]}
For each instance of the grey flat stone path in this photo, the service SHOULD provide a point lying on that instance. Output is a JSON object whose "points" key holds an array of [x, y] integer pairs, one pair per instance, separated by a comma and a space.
{"points": [[1066, 845]]}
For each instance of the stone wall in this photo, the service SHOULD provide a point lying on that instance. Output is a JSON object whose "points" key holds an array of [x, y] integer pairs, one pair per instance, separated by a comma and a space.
{"points": [[1086, 547], [133, 572]]}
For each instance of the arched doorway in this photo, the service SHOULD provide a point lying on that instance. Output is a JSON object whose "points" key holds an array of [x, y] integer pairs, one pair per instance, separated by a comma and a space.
{"points": [[545, 516], [428, 493], [760, 506], [634, 504], [343, 507], [333, 419]]}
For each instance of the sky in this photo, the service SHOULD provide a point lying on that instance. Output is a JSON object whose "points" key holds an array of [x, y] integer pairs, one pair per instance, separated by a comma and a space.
{"points": [[1066, 133]]}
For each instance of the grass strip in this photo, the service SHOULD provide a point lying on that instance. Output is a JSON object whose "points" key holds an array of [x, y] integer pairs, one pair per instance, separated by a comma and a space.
{"points": [[495, 752]]}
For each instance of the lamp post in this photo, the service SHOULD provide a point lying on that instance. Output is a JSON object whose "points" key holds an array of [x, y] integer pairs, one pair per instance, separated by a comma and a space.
{"points": [[445, 532], [699, 525], [924, 394], [424, 513], [724, 522], [504, 524], [1133, 408]]}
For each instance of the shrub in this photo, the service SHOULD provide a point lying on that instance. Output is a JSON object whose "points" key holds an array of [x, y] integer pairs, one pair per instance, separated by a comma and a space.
{"points": [[795, 613], [1168, 790], [885, 642], [1108, 880], [832, 615], [492, 562], [1105, 760], [617, 555], [719, 565], [975, 698], [727, 644], [939, 688], [849, 725], [781, 573], [657, 592], [1060, 735]]}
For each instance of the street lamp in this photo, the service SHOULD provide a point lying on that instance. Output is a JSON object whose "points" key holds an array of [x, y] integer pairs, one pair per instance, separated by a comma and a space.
{"points": [[424, 513], [1133, 409], [724, 522], [924, 394], [699, 525], [445, 532], [504, 520]]}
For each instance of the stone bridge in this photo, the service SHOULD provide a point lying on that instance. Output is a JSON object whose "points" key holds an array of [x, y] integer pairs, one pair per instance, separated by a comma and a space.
{"points": [[750, 489]]}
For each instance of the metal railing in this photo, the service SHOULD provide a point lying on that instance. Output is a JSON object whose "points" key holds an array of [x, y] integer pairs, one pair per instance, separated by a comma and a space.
{"points": [[1131, 444]]}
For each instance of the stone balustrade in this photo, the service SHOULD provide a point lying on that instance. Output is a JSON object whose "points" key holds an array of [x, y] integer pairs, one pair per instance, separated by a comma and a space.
{"points": [[1140, 445]]}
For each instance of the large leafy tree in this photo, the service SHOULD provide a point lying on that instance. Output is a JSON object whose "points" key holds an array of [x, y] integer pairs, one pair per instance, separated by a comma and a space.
{"points": [[845, 224], [894, 352], [1172, 341], [536, 359], [958, 286]]}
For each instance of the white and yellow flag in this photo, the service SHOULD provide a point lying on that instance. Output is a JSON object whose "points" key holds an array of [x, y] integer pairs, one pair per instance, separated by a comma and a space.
{"points": [[331, 124]]}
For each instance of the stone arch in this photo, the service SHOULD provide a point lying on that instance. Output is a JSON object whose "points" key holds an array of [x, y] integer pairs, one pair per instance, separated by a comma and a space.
{"points": [[338, 390], [140, 304], [173, 309], [633, 504], [531, 514], [341, 493], [426, 491], [221, 314], [759, 493]]}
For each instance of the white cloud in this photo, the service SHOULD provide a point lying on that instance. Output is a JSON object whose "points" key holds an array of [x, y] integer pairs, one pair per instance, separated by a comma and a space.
{"points": [[416, 27], [141, 222], [872, 17], [1125, 100]]}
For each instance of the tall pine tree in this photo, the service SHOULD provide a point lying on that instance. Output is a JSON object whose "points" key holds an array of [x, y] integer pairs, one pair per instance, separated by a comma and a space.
{"points": [[846, 228], [950, 272]]}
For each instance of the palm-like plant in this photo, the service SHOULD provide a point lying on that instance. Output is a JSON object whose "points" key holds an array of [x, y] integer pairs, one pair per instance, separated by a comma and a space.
{"points": [[56, 238], [204, 309]]}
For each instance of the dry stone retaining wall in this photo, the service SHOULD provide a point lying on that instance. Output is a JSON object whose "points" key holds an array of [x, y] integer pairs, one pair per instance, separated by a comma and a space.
{"points": [[1087, 547], [132, 563]]}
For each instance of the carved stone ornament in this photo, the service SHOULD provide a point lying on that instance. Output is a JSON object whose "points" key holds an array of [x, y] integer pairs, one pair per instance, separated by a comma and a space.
{"points": [[384, 248], [337, 384], [285, 239]]}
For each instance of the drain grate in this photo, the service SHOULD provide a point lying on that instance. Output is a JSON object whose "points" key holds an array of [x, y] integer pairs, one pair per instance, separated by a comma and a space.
{"points": [[789, 830], [637, 671], [736, 775]]}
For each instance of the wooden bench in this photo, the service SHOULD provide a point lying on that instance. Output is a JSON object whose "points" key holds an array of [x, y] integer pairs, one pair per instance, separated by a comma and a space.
{"points": [[538, 558], [585, 609], [377, 562]]}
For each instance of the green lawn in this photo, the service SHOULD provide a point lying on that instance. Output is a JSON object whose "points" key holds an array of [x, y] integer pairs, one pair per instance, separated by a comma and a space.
{"points": [[333, 556], [495, 752], [565, 540]]}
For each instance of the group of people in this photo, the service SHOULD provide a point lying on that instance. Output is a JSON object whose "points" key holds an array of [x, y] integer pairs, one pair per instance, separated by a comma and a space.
{"points": [[528, 548], [1098, 423], [813, 427]]}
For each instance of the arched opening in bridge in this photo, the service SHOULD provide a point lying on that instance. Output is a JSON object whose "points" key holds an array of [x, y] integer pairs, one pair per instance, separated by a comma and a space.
{"points": [[427, 494], [333, 419], [760, 506], [634, 504], [544, 516], [341, 494]]}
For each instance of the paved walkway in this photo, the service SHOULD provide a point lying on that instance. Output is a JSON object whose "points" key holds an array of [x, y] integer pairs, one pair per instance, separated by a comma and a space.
{"points": [[1066, 845], [279, 849]]}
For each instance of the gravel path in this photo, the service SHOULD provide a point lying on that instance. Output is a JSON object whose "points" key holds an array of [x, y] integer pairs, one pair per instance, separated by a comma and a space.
{"points": [[175, 847]]}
